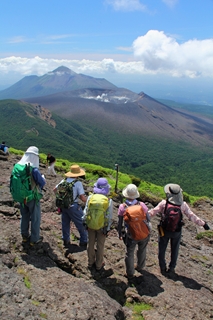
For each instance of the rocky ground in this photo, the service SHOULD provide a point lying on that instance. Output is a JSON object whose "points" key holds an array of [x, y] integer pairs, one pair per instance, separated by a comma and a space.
{"points": [[51, 282]]}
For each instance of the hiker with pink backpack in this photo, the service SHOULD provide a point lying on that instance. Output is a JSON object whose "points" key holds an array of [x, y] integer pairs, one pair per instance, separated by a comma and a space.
{"points": [[134, 229]]}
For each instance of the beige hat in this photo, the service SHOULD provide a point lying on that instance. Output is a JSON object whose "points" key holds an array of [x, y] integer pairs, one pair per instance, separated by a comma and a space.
{"points": [[174, 193], [75, 171], [131, 192], [33, 150]]}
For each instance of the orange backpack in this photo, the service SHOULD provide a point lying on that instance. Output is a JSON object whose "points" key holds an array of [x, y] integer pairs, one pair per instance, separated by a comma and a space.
{"points": [[136, 219]]}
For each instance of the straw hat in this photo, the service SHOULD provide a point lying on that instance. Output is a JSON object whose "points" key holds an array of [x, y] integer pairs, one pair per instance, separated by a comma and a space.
{"points": [[75, 171], [131, 192], [174, 193]]}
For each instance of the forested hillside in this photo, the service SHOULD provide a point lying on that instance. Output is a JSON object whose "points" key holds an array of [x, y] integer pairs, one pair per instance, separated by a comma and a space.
{"points": [[154, 160]]}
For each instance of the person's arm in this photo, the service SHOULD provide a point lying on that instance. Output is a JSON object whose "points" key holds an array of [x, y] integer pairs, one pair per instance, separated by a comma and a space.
{"points": [[120, 220], [110, 213], [192, 216], [39, 180], [158, 209], [82, 197]]}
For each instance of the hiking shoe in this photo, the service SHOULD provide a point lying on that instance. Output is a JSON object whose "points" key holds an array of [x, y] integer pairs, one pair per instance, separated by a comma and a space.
{"points": [[102, 267], [66, 243], [171, 270], [138, 269], [91, 266], [83, 245], [163, 271], [36, 242], [129, 276], [25, 239]]}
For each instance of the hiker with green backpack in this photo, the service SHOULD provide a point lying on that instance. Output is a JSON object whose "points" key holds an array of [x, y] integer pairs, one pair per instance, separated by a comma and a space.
{"points": [[98, 219], [26, 184], [134, 229]]}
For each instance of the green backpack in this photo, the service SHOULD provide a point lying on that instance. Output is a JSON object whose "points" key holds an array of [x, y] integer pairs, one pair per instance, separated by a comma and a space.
{"points": [[21, 187], [64, 194], [96, 217]]}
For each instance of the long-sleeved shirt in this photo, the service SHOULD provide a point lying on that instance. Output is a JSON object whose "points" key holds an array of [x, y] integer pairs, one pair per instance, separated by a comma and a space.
{"points": [[39, 180], [109, 212], [184, 209]]}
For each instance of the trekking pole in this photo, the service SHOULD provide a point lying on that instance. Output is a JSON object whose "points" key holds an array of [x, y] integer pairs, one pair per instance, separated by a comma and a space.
{"points": [[28, 175], [116, 181]]}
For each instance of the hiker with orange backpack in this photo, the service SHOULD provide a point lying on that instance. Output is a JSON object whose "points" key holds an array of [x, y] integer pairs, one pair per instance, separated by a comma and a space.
{"points": [[98, 219], [171, 223], [137, 229]]}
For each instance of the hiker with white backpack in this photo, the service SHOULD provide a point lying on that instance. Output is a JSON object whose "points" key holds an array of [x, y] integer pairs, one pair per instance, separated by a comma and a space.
{"points": [[170, 227], [134, 229], [97, 219]]}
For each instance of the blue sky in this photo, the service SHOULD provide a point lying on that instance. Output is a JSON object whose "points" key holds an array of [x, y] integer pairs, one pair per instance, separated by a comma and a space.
{"points": [[161, 47]]}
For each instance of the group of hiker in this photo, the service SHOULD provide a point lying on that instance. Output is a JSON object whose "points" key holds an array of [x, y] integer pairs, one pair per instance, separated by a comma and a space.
{"points": [[94, 221]]}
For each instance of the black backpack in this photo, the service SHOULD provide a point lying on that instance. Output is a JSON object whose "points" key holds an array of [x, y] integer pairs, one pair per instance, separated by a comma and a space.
{"points": [[64, 194], [171, 219]]}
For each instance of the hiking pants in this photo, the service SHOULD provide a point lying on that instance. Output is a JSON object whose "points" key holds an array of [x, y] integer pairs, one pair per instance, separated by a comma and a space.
{"points": [[174, 238], [97, 256], [51, 169], [31, 212], [141, 254], [74, 214]]}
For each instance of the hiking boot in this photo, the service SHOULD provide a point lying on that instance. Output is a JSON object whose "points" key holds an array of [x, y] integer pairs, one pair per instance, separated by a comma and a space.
{"points": [[91, 266], [25, 239], [163, 271], [36, 242], [129, 276], [101, 268], [66, 243], [171, 270], [83, 244], [139, 269]]}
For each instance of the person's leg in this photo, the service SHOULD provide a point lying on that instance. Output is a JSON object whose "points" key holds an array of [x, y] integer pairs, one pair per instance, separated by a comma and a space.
{"points": [[65, 221], [129, 258], [76, 215], [175, 244], [141, 253], [162, 245], [25, 221], [100, 249], [91, 247], [52, 170], [35, 214]]}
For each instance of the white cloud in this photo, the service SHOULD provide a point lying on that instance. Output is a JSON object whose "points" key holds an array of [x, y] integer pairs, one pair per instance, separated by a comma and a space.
{"points": [[163, 54], [126, 5], [18, 39], [170, 3], [155, 54]]}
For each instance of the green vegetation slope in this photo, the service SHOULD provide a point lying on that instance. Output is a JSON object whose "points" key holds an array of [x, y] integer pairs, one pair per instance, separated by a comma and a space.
{"points": [[155, 160]]}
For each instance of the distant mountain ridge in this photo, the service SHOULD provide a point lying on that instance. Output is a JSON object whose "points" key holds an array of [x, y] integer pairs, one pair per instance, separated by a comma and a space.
{"points": [[58, 80], [97, 122]]}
